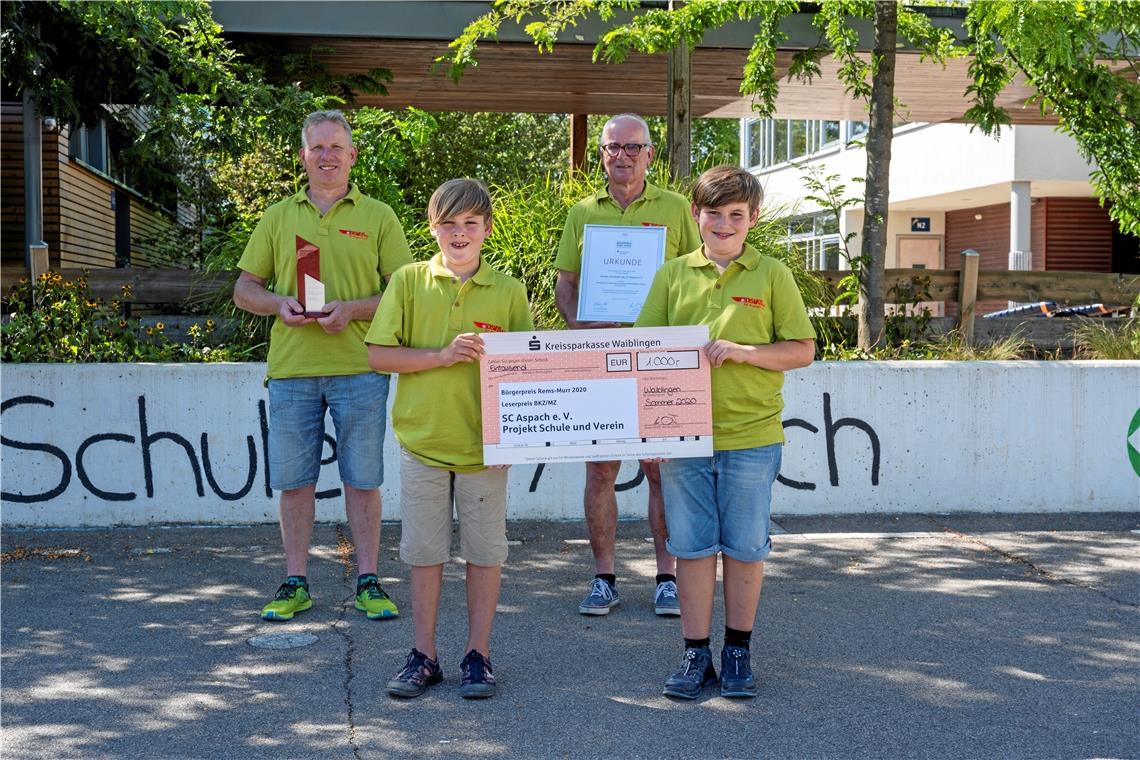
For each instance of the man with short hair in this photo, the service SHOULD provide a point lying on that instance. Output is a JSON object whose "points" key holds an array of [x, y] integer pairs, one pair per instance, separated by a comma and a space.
{"points": [[319, 363], [626, 149]]}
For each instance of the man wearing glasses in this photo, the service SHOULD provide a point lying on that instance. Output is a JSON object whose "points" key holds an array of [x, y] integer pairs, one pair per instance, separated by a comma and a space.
{"points": [[626, 149]]}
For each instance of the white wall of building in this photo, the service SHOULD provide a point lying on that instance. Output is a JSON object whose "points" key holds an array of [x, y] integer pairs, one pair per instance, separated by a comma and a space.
{"points": [[929, 161], [87, 445]]}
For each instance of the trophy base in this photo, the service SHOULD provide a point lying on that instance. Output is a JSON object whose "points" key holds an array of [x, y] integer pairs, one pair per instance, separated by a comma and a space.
{"points": [[314, 314]]}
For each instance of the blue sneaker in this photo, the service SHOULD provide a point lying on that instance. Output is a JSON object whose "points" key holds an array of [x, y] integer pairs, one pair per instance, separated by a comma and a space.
{"points": [[601, 598], [696, 672], [736, 678], [476, 680], [665, 600]]}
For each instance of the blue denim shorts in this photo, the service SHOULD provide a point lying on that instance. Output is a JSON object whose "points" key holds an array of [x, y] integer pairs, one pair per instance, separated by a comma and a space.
{"points": [[721, 503], [359, 408]]}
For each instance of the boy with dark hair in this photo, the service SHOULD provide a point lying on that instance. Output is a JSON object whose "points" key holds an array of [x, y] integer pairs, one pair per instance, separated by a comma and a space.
{"points": [[758, 329], [427, 331]]}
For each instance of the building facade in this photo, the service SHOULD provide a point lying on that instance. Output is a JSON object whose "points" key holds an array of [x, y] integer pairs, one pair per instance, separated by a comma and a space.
{"points": [[1021, 199]]}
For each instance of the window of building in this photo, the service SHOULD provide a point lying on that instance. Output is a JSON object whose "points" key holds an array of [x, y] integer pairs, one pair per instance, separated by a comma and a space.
{"points": [[815, 238], [774, 141], [89, 145]]}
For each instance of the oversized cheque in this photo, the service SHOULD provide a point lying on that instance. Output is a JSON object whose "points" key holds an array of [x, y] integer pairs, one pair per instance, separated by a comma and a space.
{"points": [[573, 396]]}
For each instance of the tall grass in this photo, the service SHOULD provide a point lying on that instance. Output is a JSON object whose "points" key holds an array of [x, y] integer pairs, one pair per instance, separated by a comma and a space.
{"points": [[1107, 339]]}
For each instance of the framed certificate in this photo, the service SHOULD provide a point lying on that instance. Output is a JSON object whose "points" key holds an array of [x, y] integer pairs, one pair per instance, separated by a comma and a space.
{"points": [[582, 395], [618, 264]]}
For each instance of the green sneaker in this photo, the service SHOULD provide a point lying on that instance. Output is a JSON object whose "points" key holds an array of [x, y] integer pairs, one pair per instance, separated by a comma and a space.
{"points": [[373, 599], [291, 597]]}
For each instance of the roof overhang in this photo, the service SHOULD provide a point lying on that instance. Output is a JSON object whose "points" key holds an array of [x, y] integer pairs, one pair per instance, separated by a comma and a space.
{"points": [[407, 37]]}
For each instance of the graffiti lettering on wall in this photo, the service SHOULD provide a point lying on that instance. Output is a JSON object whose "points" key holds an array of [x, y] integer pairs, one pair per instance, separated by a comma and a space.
{"points": [[830, 428], [84, 464]]}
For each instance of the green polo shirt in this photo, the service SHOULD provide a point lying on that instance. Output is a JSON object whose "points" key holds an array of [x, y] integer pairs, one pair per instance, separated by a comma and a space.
{"points": [[655, 208], [754, 302], [437, 415], [361, 241]]}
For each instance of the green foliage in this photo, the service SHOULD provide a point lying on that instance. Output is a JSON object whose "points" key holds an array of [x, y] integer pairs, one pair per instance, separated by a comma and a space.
{"points": [[529, 215], [1081, 57], [56, 320], [1107, 339], [497, 148]]}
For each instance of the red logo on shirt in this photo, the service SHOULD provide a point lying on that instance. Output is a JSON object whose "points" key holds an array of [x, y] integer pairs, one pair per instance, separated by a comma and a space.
{"points": [[488, 327], [355, 234], [653, 224], [756, 303]]}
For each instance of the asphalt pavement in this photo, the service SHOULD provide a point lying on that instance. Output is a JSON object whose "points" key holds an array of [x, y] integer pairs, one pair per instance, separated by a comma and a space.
{"points": [[940, 636]]}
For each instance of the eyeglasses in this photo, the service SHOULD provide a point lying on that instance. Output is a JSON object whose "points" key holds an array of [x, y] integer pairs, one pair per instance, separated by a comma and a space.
{"points": [[631, 149]]}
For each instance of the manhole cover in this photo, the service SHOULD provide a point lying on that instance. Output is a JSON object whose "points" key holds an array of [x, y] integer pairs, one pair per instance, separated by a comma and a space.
{"points": [[283, 640]]}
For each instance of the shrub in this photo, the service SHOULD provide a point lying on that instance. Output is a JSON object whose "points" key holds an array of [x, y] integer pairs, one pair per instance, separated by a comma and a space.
{"points": [[57, 320]]}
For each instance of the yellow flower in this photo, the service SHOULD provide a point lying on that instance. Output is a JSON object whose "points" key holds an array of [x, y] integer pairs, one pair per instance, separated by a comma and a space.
{"points": [[149, 331], [209, 324], [122, 323], [159, 326]]}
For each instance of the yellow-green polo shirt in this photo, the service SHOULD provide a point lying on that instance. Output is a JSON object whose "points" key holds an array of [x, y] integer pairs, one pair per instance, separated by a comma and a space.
{"points": [[437, 415], [754, 302], [361, 241], [655, 207]]}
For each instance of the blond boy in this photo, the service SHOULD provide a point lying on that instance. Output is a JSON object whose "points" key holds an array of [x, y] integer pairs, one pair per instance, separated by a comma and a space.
{"points": [[427, 331]]}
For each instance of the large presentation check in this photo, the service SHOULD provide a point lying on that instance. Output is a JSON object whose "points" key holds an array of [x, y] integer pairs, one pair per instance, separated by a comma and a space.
{"points": [[580, 395]]}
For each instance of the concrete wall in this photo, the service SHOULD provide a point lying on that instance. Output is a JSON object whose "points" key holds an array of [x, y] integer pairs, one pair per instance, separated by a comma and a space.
{"points": [[135, 444]]}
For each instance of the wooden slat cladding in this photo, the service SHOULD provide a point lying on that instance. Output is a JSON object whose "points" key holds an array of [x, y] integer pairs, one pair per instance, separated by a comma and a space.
{"points": [[514, 76], [79, 220], [1078, 235], [85, 207], [152, 234], [986, 230]]}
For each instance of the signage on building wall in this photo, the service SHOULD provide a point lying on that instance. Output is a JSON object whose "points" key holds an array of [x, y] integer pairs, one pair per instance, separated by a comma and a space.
{"points": [[920, 224]]}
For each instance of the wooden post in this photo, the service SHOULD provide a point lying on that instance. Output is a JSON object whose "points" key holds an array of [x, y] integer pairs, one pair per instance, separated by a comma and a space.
{"points": [[38, 261], [968, 294], [578, 142]]}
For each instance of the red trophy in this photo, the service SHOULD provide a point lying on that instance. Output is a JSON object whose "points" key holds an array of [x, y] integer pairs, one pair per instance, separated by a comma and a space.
{"points": [[310, 289]]}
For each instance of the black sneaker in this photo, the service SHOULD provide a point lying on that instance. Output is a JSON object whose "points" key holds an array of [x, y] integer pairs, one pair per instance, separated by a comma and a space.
{"points": [[696, 672], [477, 681], [736, 678], [418, 673]]}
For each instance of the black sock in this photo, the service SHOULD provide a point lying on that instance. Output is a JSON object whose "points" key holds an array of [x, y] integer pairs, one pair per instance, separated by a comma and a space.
{"points": [[662, 577], [298, 580], [364, 578], [697, 643], [735, 638], [609, 578]]}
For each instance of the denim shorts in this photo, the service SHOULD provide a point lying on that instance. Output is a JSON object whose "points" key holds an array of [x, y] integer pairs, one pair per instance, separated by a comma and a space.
{"points": [[721, 503], [359, 408]]}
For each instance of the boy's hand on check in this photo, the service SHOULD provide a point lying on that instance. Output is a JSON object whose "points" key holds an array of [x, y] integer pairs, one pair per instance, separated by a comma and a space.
{"points": [[467, 347], [720, 351]]}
